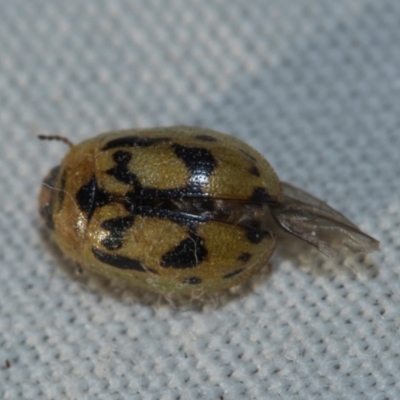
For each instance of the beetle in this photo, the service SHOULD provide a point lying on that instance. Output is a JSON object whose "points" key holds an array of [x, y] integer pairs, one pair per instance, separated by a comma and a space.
{"points": [[180, 209]]}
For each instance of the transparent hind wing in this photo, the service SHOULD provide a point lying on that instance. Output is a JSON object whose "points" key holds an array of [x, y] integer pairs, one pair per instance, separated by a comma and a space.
{"points": [[314, 221]]}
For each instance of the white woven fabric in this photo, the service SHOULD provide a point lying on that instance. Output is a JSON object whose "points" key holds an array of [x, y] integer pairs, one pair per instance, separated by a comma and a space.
{"points": [[314, 86]]}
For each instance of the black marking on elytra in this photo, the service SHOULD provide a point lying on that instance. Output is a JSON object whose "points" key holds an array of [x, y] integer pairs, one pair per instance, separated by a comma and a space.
{"points": [[254, 171], [118, 261], [260, 195], [188, 253], [244, 257], [206, 138], [164, 209], [255, 235], [200, 162], [61, 192], [117, 227], [248, 155], [90, 196], [121, 171], [122, 157], [193, 280], [134, 141], [232, 274]]}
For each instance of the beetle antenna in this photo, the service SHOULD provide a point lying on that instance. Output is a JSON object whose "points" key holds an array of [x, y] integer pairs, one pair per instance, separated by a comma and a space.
{"points": [[56, 137]]}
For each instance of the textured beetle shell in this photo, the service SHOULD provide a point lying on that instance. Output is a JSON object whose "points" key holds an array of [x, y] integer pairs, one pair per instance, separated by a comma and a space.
{"points": [[170, 209]]}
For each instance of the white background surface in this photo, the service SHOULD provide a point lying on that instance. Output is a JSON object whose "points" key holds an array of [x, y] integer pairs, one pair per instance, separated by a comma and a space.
{"points": [[314, 86]]}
